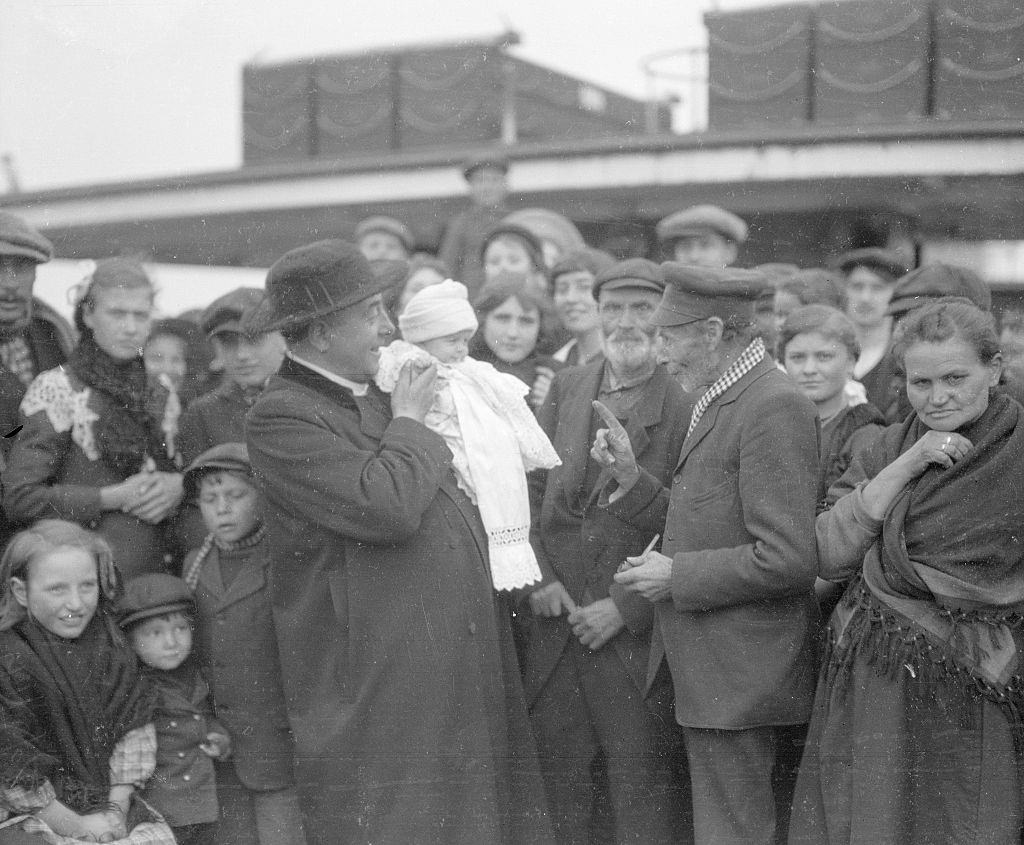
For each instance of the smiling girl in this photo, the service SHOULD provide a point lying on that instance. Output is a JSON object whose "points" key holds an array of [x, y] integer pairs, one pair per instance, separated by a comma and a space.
{"points": [[76, 732]]}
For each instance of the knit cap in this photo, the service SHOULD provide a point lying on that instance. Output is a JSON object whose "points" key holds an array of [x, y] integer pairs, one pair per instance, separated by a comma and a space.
{"points": [[437, 311]]}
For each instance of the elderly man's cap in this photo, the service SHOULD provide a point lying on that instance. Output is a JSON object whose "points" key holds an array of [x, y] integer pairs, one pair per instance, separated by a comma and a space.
{"points": [[19, 239], [495, 160], [380, 223], [631, 273], [231, 312], [228, 457], [697, 293], [153, 594], [882, 261], [313, 281], [698, 220], [935, 281]]}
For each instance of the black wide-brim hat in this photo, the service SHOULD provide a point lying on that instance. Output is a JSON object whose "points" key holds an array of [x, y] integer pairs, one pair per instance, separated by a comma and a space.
{"points": [[313, 281]]}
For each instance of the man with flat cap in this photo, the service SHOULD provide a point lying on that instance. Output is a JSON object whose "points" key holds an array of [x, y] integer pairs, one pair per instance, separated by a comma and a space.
{"points": [[33, 337], [586, 660], [249, 358], [704, 235], [400, 673], [462, 245], [732, 585]]}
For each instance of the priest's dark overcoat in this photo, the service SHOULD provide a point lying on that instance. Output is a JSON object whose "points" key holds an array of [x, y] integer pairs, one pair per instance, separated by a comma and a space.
{"points": [[398, 663]]}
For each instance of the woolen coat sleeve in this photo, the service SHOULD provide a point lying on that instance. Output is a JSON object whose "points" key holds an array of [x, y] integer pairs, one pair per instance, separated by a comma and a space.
{"points": [[325, 475], [35, 462], [644, 506], [777, 483]]}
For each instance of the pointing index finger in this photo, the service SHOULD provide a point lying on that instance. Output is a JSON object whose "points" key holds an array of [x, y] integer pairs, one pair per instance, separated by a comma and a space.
{"points": [[614, 426]]}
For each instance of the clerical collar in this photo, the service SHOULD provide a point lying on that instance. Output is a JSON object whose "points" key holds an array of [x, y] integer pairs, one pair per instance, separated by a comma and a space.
{"points": [[357, 388]]}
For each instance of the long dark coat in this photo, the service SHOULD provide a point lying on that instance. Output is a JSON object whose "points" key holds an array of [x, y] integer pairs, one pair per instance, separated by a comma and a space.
{"points": [[583, 551], [399, 670], [738, 522]]}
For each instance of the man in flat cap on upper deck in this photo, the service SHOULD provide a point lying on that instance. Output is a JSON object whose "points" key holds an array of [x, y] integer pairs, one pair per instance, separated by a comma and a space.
{"points": [[400, 673], [33, 337], [732, 586], [462, 245], [704, 235]]}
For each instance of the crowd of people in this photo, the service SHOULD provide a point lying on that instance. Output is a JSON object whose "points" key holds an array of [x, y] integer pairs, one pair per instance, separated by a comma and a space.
{"points": [[519, 543]]}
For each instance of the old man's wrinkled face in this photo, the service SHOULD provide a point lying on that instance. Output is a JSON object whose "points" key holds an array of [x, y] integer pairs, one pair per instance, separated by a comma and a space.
{"points": [[17, 276]]}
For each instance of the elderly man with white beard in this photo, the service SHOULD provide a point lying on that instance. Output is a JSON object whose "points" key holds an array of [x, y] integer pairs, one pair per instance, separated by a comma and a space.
{"points": [[586, 655]]}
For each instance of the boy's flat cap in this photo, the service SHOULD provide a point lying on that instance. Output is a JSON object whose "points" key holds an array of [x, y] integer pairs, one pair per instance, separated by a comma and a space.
{"points": [[935, 281], [381, 223], [231, 457], [882, 261], [152, 594], [232, 312]]}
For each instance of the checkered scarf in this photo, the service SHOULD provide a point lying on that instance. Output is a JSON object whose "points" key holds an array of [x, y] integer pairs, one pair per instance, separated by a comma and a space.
{"points": [[751, 357], [16, 356]]}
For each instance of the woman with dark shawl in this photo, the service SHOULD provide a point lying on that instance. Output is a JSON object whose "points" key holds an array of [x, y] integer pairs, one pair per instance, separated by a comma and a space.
{"points": [[76, 732], [97, 446], [915, 736]]}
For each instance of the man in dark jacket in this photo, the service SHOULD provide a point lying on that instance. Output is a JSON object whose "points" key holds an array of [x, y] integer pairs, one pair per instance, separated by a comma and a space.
{"points": [[586, 660], [399, 669], [732, 586], [33, 337]]}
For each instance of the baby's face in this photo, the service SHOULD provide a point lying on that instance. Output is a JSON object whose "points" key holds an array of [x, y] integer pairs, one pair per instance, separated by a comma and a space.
{"points": [[449, 349]]}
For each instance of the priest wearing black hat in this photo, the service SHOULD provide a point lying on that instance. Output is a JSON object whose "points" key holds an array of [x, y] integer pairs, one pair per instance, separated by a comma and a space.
{"points": [[399, 669], [732, 585]]}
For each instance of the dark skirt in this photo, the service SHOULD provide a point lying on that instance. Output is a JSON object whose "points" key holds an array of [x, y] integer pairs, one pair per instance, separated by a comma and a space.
{"points": [[901, 760]]}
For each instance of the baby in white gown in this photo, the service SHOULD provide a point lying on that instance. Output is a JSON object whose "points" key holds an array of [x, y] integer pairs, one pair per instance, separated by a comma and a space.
{"points": [[483, 417]]}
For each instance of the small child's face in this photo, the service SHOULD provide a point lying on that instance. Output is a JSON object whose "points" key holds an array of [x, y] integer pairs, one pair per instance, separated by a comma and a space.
{"points": [[230, 506], [449, 349], [61, 591], [507, 254], [162, 642]]}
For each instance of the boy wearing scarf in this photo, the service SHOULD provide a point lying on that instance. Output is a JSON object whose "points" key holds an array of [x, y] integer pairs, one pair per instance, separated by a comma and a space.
{"points": [[237, 647]]}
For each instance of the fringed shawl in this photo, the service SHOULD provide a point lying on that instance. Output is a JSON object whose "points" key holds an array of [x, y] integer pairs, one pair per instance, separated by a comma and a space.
{"points": [[941, 595]]}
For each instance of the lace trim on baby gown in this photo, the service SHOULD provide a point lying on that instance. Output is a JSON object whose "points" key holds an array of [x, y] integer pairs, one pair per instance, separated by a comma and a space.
{"points": [[65, 408], [494, 439]]}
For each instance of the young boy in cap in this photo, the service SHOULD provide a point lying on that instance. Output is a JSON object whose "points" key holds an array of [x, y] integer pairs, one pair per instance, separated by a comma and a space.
{"points": [[483, 417], [157, 614], [238, 650], [249, 358]]}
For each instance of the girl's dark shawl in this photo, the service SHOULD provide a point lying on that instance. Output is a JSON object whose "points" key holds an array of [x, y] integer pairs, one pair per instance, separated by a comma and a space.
{"points": [[64, 705], [941, 596]]}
